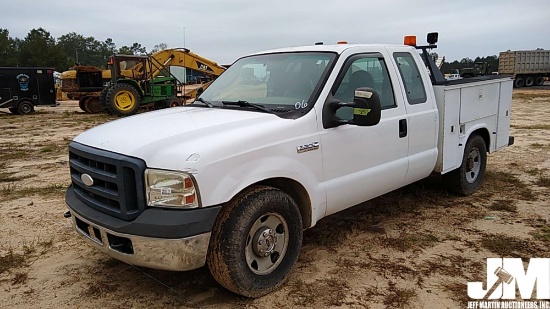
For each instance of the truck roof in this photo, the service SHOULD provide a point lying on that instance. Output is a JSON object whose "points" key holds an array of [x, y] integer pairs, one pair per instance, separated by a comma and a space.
{"points": [[337, 48]]}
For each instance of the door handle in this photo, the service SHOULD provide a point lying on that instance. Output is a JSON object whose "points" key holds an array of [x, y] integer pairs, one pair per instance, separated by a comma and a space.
{"points": [[402, 128]]}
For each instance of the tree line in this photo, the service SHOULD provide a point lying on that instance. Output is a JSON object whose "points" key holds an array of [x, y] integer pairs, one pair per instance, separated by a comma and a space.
{"points": [[39, 48]]}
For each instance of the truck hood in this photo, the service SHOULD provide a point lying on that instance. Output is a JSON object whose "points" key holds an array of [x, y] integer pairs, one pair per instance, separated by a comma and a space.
{"points": [[178, 137]]}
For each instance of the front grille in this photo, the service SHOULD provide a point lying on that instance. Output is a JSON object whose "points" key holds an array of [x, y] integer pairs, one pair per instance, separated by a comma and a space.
{"points": [[117, 187]]}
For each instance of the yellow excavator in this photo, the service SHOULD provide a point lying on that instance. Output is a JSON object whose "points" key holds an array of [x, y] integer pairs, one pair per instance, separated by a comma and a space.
{"points": [[86, 83]]}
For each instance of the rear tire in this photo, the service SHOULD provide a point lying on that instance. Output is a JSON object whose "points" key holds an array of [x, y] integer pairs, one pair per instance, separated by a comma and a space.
{"points": [[466, 179], [529, 81], [173, 102], [255, 241], [82, 103], [122, 100], [25, 107], [519, 82], [93, 105], [539, 81]]}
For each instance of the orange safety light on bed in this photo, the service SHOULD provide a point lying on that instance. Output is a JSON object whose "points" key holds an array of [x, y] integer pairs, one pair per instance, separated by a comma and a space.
{"points": [[410, 40]]}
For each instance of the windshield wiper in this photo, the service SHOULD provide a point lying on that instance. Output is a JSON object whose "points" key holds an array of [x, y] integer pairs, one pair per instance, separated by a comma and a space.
{"points": [[248, 104], [204, 101]]}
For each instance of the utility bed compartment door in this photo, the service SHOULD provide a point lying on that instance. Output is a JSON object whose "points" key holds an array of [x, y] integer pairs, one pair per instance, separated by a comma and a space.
{"points": [[478, 102], [466, 107]]}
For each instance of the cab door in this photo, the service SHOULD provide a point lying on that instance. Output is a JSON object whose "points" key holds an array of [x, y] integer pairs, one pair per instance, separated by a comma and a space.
{"points": [[360, 163]]}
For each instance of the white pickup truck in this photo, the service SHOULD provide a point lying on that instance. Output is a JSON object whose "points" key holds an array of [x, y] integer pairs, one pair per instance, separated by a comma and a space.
{"points": [[280, 140]]}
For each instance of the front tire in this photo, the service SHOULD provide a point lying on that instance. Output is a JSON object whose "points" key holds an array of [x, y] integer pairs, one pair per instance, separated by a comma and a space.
{"points": [[255, 241], [122, 100], [466, 179]]}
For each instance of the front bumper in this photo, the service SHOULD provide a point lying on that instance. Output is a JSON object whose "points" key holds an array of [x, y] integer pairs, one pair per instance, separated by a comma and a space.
{"points": [[158, 253]]}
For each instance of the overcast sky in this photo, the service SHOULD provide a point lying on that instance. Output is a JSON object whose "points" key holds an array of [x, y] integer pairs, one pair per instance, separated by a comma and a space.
{"points": [[225, 30]]}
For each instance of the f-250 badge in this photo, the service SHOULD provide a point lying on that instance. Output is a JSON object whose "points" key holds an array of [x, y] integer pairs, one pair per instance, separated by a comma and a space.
{"points": [[307, 147]]}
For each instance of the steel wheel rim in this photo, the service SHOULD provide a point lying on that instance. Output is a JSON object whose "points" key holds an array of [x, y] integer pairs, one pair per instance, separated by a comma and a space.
{"points": [[473, 165], [125, 100], [26, 108], [266, 243]]}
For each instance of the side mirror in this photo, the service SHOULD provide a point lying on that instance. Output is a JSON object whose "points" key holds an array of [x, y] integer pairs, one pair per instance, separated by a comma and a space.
{"points": [[366, 109]]}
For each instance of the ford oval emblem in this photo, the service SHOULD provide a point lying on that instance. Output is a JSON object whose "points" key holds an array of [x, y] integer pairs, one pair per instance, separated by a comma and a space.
{"points": [[87, 180]]}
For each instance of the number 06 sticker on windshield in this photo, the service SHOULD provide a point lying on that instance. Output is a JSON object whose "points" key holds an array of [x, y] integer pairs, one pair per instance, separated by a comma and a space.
{"points": [[363, 94], [361, 111]]}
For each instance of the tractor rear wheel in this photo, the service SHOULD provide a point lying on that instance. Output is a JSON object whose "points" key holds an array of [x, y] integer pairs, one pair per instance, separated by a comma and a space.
{"points": [[122, 100], [539, 81], [173, 102], [82, 103], [93, 105]]}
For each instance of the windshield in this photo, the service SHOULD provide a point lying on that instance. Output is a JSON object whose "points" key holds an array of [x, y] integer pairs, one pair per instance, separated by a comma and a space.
{"points": [[285, 80]]}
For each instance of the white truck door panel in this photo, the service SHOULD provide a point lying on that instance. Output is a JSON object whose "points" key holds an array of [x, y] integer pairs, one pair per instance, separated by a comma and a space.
{"points": [[422, 126], [360, 163]]}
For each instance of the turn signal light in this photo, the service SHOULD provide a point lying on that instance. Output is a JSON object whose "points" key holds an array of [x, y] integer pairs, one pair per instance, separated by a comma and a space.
{"points": [[410, 40]]}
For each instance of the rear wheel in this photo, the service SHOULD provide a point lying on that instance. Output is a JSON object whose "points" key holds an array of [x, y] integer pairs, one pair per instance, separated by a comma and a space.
{"points": [[122, 100], [529, 81], [93, 105], [173, 102], [82, 103], [519, 82], [255, 241], [466, 179], [25, 107], [539, 81]]}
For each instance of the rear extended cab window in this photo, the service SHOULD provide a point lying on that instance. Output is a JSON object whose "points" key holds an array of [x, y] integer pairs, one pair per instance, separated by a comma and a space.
{"points": [[410, 75]]}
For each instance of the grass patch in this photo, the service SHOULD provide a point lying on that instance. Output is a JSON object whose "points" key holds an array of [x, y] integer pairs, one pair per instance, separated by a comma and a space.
{"points": [[506, 246], [526, 96], [543, 181], [8, 177], [510, 183], [533, 127], [538, 145], [532, 171], [399, 297], [458, 293], [543, 234], [327, 292], [11, 260], [50, 148], [13, 191], [504, 205], [407, 241]]}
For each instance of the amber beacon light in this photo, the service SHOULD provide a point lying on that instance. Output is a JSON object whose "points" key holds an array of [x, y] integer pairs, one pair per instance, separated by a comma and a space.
{"points": [[410, 40]]}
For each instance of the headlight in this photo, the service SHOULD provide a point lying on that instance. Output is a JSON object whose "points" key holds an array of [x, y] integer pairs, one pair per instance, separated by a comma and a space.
{"points": [[170, 189]]}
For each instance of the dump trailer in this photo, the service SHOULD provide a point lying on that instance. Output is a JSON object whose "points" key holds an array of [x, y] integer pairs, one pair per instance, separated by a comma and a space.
{"points": [[21, 89], [529, 67]]}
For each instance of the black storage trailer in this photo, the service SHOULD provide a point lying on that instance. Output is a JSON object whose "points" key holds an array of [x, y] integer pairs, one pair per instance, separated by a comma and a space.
{"points": [[21, 89]]}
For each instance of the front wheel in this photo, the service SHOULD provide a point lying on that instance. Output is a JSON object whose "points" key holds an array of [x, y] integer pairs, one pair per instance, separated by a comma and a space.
{"points": [[122, 100], [466, 179], [255, 242]]}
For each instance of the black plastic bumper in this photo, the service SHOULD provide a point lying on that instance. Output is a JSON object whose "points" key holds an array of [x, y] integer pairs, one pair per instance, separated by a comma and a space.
{"points": [[153, 222]]}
